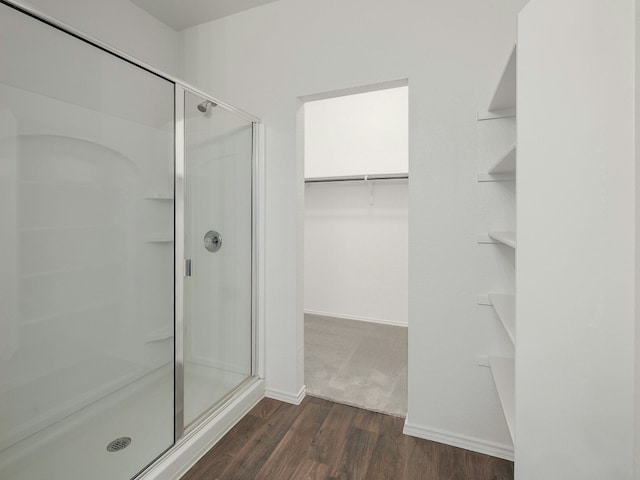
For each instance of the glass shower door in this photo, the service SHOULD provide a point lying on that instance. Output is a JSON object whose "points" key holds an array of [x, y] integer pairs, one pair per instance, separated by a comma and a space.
{"points": [[218, 249]]}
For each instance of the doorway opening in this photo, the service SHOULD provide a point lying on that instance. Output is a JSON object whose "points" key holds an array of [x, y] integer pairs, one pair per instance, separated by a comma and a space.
{"points": [[356, 246]]}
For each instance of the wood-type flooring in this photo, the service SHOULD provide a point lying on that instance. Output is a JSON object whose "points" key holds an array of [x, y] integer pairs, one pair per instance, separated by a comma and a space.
{"points": [[323, 440]]}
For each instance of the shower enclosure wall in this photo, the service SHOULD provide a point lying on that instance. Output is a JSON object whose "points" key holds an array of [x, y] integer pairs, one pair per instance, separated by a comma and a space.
{"points": [[128, 268]]}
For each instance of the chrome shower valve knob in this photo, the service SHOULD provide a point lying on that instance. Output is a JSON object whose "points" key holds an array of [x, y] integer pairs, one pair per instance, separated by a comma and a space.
{"points": [[212, 241]]}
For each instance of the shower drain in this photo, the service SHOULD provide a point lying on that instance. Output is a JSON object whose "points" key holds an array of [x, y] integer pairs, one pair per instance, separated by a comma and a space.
{"points": [[119, 444]]}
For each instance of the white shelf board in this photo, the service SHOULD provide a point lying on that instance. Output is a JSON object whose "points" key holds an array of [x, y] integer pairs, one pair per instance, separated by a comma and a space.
{"points": [[505, 307], [506, 163], [508, 238], [483, 299], [496, 177], [503, 372], [504, 97], [495, 114], [159, 237]]}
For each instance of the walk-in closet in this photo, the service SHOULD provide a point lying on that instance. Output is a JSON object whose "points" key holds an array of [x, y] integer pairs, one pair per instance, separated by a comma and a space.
{"points": [[355, 244]]}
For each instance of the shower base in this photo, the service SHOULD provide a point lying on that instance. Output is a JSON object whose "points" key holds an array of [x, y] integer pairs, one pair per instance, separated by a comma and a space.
{"points": [[76, 447]]}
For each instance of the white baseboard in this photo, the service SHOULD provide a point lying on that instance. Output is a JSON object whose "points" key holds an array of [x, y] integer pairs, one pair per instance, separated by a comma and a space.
{"points": [[179, 459], [286, 396], [355, 317], [460, 441]]}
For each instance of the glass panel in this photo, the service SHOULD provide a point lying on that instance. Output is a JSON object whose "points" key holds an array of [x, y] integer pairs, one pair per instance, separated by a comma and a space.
{"points": [[86, 270], [218, 172]]}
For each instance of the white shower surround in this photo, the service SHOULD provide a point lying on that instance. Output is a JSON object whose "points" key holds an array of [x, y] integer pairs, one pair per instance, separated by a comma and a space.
{"points": [[200, 438]]}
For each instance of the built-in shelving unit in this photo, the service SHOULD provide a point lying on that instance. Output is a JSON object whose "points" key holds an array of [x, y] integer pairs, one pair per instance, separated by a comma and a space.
{"points": [[505, 307], [503, 168], [503, 372]]}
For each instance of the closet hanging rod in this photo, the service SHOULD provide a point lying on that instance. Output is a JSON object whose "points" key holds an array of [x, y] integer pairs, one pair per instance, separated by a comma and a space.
{"points": [[357, 178]]}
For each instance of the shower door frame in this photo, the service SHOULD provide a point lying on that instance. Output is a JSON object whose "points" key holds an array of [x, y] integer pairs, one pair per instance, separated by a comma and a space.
{"points": [[180, 257], [182, 436]]}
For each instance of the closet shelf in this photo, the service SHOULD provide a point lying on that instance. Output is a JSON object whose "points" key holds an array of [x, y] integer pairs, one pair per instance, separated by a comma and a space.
{"points": [[508, 238], [358, 178], [504, 168], [505, 307], [503, 372], [503, 101], [506, 163]]}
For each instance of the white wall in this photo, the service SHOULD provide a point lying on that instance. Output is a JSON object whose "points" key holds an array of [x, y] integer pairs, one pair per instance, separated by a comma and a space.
{"points": [[356, 253], [576, 241], [355, 237], [450, 50], [364, 133], [121, 24]]}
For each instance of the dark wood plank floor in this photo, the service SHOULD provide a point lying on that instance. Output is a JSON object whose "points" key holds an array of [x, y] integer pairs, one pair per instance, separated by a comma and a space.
{"points": [[324, 440]]}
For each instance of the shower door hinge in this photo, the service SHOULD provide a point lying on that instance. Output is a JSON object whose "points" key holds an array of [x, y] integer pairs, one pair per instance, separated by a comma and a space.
{"points": [[187, 267]]}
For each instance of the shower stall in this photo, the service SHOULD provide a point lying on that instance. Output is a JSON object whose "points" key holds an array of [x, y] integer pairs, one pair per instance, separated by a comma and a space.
{"points": [[128, 266]]}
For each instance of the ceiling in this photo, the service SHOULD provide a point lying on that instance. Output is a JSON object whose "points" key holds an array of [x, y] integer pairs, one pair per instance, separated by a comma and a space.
{"points": [[180, 14]]}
